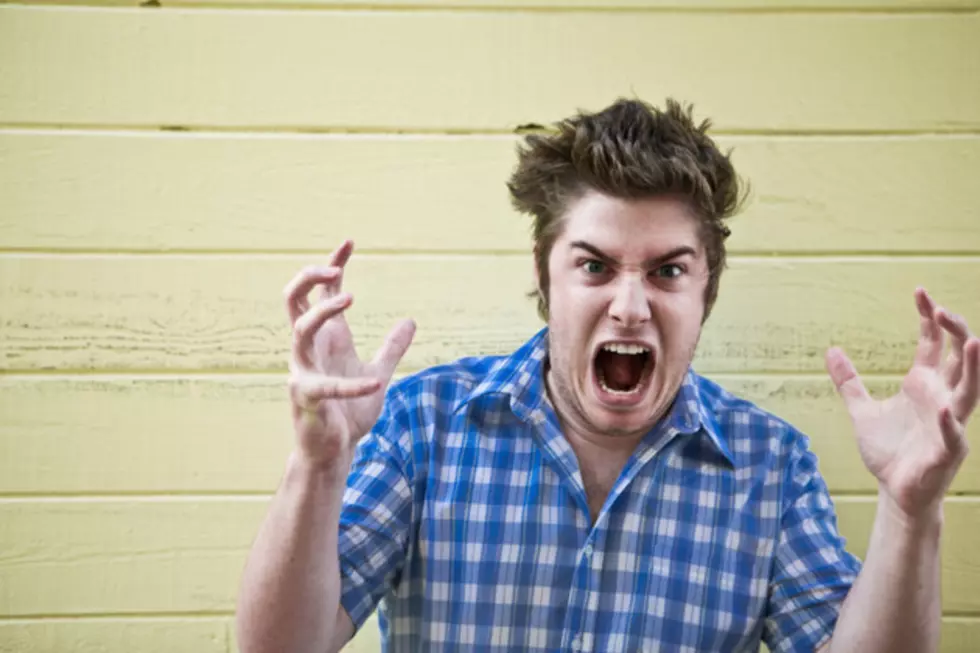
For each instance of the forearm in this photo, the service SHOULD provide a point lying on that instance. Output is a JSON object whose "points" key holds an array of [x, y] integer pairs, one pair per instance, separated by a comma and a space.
{"points": [[291, 584], [895, 604]]}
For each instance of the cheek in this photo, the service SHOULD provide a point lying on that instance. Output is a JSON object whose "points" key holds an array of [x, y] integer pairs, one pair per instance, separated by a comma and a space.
{"points": [[680, 320]]}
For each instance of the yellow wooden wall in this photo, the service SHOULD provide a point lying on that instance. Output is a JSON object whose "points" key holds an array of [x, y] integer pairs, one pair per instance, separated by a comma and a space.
{"points": [[165, 170]]}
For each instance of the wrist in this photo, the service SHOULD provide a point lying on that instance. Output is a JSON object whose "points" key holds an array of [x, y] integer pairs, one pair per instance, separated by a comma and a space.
{"points": [[305, 470], [924, 521]]}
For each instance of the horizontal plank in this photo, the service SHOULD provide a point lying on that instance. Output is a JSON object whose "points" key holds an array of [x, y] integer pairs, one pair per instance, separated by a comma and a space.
{"points": [[197, 636], [136, 435], [225, 312], [484, 70], [128, 556], [142, 634], [116, 635], [164, 191], [559, 5]]}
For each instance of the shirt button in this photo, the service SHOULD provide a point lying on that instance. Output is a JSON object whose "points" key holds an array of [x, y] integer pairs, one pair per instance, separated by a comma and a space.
{"points": [[587, 551], [577, 643]]}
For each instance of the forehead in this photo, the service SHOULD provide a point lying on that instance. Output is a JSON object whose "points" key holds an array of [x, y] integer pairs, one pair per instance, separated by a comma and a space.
{"points": [[644, 227]]}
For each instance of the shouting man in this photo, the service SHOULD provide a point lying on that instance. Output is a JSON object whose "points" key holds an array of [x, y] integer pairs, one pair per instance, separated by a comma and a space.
{"points": [[590, 491]]}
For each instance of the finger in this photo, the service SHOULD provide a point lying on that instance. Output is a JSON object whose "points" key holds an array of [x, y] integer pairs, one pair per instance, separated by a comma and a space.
{"points": [[846, 379], [296, 292], [959, 333], [305, 328], [954, 434], [967, 391], [341, 255], [338, 259], [930, 349], [394, 348], [307, 390]]}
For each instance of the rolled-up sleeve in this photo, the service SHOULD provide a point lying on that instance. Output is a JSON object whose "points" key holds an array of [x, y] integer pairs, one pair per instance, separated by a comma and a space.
{"points": [[812, 571], [377, 514]]}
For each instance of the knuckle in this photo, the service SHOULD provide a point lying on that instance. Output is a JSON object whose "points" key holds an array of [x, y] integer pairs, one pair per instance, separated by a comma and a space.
{"points": [[299, 333], [303, 324], [308, 271]]}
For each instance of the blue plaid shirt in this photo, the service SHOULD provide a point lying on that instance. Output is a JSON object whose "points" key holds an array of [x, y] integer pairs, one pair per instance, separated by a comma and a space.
{"points": [[466, 523]]}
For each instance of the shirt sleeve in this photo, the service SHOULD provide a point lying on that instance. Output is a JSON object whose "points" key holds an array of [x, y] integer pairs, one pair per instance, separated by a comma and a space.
{"points": [[376, 519], [812, 571]]}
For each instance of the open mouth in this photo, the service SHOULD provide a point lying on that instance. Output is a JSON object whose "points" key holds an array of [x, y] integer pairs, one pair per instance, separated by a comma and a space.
{"points": [[622, 369]]}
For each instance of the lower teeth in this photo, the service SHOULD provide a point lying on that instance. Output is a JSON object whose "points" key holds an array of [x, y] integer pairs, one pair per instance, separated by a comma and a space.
{"points": [[602, 384]]}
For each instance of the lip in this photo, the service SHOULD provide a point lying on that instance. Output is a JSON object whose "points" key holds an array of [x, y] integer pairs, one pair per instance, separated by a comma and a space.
{"points": [[616, 400]]}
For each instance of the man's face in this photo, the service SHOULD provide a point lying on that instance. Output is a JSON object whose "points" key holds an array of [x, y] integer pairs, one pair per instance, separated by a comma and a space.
{"points": [[626, 299]]}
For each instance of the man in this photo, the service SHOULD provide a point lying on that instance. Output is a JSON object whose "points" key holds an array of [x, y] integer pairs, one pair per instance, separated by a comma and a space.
{"points": [[590, 492]]}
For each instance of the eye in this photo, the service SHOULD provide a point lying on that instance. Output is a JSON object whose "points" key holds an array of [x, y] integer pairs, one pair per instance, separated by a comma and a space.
{"points": [[593, 266], [669, 271]]}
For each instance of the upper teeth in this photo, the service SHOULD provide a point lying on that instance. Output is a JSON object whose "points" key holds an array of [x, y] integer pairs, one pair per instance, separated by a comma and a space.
{"points": [[619, 348]]}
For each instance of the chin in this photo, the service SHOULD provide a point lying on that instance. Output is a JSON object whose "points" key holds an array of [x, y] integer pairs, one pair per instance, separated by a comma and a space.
{"points": [[620, 420]]}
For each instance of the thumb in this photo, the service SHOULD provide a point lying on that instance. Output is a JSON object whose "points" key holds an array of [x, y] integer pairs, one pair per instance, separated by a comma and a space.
{"points": [[394, 347], [846, 378]]}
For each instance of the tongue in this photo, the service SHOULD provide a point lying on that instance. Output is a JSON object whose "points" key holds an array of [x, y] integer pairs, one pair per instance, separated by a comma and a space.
{"points": [[622, 371]]}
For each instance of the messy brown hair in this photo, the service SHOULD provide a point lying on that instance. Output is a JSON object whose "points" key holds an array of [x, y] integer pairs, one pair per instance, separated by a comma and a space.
{"points": [[630, 150]]}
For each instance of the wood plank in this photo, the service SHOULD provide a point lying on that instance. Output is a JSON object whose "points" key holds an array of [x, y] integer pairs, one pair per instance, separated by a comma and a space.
{"points": [[166, 191], [559, 5], [182, 635], [166, 555], [116, 635], [142, 634], [959, 635], [68, 435], [960, 556], [484, 70], [225, 312], [123, 557]]}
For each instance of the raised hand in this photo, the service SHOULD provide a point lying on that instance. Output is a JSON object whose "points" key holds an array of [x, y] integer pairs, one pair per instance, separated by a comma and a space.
{"points": [[914, 442], [336, 398]]}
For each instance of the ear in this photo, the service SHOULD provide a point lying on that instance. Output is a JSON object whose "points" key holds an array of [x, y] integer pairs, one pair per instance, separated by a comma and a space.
{"points": [[534, 270]]}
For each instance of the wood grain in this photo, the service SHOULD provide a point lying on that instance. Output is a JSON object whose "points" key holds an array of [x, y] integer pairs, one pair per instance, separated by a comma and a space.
{"points": [[70, 435], [238, 192], [561, 5], [438, 71], [167, 555], [188, 635], [116, 635], [226, 313]]}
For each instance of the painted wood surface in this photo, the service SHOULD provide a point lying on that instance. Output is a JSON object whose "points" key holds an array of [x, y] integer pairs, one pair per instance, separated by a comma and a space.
{"points": [[118, 635], [69, 435], [164, 171], [125, 312], [563, 5], [248, 192], [92, 556], [216, 635], [450, 71]]}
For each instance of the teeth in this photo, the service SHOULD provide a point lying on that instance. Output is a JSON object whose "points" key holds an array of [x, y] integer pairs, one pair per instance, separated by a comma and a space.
{"points": [[619, 348], [602, 383]]}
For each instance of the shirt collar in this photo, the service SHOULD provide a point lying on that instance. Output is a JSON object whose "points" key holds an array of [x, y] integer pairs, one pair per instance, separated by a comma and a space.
{"points": [[690, 414], [520, 377]]}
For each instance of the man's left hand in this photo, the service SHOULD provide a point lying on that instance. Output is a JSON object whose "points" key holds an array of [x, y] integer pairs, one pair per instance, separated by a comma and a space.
{"points": [[914, 442]]}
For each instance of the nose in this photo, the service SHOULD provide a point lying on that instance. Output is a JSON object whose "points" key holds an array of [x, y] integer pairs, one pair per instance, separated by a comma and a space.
{"points": [[629, 306]]}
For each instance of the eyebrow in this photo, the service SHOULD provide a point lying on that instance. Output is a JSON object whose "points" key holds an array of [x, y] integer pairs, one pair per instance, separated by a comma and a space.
{"points": [[606, 258]]}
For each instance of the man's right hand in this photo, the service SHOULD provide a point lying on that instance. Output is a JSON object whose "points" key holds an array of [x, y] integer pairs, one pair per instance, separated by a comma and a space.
{"points": [[336, 398]]}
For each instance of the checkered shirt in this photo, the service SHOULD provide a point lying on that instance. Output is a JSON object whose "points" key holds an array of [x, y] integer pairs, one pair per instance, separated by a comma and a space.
{"points": [[466, 524]]}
